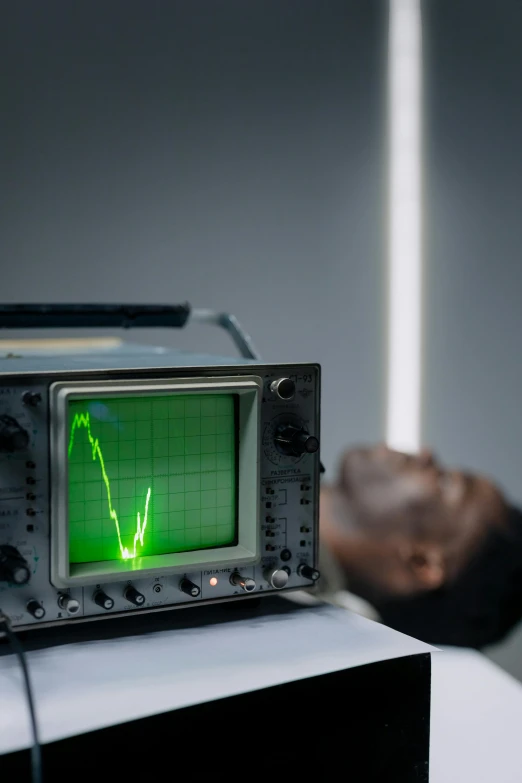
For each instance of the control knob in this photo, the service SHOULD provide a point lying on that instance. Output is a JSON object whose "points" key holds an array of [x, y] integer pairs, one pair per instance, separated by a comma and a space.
{"points": [[295, 441], [284, 388], [31, 398], [189, 588], [13, 567], [245, 582], [276, 577], [134, 596], [13, 437], [36, 609], [102, 599], [308, 572], [68, 604]]}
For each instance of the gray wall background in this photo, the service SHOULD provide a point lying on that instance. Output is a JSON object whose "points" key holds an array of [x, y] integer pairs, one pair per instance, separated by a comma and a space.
{"points": [[473, 365], [223, 152], [233, 154]]}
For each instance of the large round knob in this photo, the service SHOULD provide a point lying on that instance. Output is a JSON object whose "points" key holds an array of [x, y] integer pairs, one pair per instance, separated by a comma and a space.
{"points": [[13, 567], [276, 577], [284, 388], [13, 437], [295, 441], [246, 583]]}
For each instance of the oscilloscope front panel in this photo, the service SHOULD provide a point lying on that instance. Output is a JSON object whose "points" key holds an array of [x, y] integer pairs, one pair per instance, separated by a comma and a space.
{"points": [[140, 490]]}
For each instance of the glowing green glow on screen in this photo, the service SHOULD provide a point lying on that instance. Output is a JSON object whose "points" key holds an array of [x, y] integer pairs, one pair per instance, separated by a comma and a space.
{"points": [[150, 475], [84, 420]]}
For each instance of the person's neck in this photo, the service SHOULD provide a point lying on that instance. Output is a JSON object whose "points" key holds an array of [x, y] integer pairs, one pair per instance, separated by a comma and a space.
{"points": [[341, 535]]}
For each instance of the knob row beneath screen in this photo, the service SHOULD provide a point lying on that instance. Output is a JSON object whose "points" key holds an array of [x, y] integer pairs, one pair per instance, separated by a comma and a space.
{"points": [[131, 594]]}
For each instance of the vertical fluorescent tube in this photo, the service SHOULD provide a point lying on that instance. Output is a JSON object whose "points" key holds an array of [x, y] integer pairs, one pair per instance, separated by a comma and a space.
{"points": [[403, 415]]}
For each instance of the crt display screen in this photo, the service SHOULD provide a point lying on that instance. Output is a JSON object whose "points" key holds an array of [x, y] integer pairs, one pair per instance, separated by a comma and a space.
{"points": [[151, 475]]}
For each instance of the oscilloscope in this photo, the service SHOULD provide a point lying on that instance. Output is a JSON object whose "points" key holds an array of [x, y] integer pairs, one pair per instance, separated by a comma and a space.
{"points": [[136, 479]]}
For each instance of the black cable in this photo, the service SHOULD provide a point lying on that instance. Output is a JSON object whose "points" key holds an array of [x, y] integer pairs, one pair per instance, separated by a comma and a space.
{"points": [[36, 751]]}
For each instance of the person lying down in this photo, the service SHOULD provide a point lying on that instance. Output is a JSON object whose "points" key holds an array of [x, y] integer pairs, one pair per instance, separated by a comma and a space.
{"points": [[433, 552]]}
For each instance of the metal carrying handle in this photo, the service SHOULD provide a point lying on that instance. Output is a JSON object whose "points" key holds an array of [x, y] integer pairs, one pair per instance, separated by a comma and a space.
{"points": [[90, 316], [56, 316]]}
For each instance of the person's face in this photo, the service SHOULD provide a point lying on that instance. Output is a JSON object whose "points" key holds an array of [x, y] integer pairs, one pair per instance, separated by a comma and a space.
{"points": [[430, 517]]}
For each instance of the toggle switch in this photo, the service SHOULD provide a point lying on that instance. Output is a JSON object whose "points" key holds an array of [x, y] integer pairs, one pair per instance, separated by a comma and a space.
{"points": [[245, 582]]}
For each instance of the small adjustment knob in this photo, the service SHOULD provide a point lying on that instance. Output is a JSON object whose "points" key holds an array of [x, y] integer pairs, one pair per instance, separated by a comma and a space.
{"points": [[308, 572], [13, 437], [13, 567], [284, 388], [102, 599], [245, 582], [295, 441], [68, 604], [134, 596], [188, 587], [36, 609], [276, 577], [31, 398]]}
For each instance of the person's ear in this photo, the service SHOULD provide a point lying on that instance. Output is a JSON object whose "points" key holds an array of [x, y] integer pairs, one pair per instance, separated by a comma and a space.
{"points": [[426, 561]]}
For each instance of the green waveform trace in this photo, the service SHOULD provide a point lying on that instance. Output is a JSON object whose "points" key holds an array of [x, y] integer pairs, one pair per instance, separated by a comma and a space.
{"points": [[83, 420]]}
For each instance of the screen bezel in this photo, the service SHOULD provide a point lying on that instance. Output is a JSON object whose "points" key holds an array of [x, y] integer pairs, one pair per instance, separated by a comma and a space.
{"points": [[247, 550]]}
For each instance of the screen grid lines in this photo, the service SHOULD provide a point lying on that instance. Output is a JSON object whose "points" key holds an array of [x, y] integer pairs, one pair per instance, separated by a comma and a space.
{"points": [[170, 475]]}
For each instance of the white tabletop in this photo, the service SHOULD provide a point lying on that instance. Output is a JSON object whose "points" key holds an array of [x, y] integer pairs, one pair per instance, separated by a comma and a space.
{"points": [[476, 720], [88, 686], [476, 714]]}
